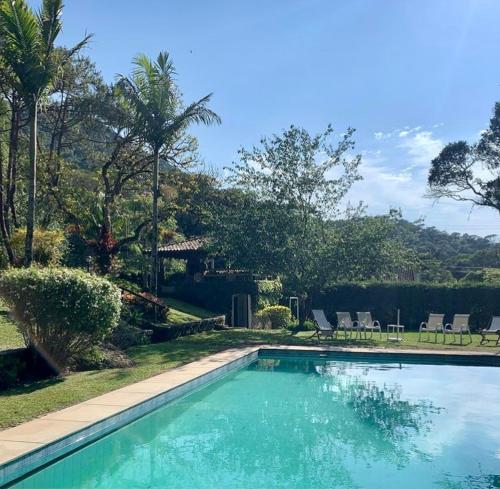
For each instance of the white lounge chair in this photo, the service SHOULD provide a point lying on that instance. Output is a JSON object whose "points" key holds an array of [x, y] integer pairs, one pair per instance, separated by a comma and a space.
{"points": [[433, 325], [345, 323], [323, 327], [459, 326], [366, 321], [493, 330]]}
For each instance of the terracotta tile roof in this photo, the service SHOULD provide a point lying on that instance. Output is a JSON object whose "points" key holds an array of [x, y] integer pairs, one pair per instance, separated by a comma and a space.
{"points": [[191, 244]]}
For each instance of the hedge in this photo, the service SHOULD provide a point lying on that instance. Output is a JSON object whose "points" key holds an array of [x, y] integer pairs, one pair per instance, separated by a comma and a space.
{"points": [[21, 365], [167, 333], [216, 294], [415, 301]]}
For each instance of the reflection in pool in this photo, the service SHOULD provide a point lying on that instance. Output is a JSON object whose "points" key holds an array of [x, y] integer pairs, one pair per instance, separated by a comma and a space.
{"points": [[307, 423]]}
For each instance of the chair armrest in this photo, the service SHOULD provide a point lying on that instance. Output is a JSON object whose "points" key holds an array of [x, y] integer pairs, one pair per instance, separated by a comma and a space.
{"points": [[422, 324], [376, 323], [448, 324], [356, 324]]}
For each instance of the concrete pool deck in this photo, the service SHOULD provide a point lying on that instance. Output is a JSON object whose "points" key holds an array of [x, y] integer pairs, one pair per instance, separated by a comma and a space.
{"points": [[73, 423]]}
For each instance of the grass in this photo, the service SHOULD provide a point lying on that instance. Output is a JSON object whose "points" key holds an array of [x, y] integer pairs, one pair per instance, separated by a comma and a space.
{"points": [[9, 334], [29, 401], [182, 309]]}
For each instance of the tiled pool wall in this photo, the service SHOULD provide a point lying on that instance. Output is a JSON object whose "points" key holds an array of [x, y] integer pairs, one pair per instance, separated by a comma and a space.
{"points": [[34, 460], [448, 358]]}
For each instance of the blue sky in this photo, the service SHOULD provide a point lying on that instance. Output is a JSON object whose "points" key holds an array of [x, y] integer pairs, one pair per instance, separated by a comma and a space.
{"points": [[409, 75]]}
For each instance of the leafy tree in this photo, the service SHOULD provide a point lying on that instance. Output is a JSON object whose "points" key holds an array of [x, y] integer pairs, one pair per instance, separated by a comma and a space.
{"points": [[470, 172], [364, 247], [28, 49], [155, 98], [273, 221]]}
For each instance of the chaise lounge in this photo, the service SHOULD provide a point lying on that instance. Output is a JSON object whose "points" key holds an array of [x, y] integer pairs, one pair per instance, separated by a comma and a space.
{"points": [[323, 327], [492, 330]]}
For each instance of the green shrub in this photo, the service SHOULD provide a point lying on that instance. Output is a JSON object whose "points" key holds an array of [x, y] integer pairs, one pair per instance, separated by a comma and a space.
{"points": [[49, 246], [415, 300], [279, 316], [61, 311]]}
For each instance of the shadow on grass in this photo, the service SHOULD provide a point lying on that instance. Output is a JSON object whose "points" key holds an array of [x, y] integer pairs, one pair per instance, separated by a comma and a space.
{"points": [[29, 387]]}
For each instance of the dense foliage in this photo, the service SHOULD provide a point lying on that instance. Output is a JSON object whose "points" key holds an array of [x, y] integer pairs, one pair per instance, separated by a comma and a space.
{"points": [[280, 213], [60, 311], [470, 172], [415, 301]]}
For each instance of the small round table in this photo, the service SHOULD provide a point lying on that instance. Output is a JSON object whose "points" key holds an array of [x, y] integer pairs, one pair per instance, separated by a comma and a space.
{"points": [[395, 329]]}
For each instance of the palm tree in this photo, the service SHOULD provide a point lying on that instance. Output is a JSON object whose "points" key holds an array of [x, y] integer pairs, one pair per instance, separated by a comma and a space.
{"points": [[28, 49], [152, 93]]}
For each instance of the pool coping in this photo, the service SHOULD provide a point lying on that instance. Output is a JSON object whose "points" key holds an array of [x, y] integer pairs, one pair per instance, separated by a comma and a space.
{"points": [[25, 447]]}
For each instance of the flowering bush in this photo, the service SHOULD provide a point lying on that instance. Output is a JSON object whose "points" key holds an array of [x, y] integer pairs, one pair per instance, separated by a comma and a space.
{"points": [[61, 311]]}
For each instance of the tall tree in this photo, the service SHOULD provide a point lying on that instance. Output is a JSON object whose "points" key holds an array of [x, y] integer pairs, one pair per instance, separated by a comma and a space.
{"points": [[152, 92], [29, 49], [470, 172], [289, 187]]}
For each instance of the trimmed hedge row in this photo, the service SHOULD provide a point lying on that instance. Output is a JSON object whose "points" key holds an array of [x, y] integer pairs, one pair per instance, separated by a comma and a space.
{"points": [[216, 294], [167, 333], [415, 300]]}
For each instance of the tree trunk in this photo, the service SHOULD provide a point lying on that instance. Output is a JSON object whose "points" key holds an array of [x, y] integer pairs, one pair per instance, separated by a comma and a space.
{"points": [[31, 214], [154, 239], [106, 245], [3, 226], [12, 165]]}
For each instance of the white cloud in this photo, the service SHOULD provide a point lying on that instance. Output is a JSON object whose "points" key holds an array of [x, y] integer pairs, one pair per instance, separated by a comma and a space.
{"points": [[421, 146], [382, 135], [396, 177]]}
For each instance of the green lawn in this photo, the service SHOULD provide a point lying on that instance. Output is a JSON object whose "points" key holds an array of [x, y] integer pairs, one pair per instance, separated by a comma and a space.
{"points": [[9, 335], [26, 402], [181, 312]]}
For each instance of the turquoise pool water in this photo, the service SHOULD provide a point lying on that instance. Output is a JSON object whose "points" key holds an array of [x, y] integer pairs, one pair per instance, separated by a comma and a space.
{"points": [[306, 423]]}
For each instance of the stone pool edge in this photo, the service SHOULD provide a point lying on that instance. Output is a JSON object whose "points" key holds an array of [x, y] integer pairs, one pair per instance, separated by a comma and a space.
{"points": [[28, 446], [25, 447]]}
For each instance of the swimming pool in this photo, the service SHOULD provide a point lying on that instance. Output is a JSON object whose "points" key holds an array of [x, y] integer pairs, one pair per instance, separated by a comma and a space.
{"points": [[306, 422]]}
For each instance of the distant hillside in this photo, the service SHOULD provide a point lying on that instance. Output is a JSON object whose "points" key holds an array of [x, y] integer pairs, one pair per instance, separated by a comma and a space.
{"points": [[453, 252]]}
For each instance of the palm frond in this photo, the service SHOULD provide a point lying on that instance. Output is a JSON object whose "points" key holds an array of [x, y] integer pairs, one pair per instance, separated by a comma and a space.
{"points": [[199, 113], [21, 42], [76, 48], [50, 25]]}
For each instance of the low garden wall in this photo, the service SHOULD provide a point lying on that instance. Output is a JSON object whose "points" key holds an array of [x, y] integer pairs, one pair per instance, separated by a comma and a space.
{"points": [[22, 364], [415, 300], [166, 333]]}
